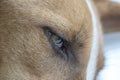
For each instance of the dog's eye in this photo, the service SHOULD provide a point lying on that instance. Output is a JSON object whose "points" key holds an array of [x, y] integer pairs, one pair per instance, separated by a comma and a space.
{"points": [[61, 46], [57, 41]]}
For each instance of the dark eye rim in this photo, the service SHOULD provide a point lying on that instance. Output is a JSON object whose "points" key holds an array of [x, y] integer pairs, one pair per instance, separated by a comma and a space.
{"points": [[65, 51]]}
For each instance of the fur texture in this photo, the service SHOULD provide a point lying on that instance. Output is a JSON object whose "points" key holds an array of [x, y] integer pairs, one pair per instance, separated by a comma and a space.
{"points": [[25, 52]]}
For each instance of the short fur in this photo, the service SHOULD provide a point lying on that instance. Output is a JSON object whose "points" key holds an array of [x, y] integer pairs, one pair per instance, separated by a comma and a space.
{"points": [[26, 54]]}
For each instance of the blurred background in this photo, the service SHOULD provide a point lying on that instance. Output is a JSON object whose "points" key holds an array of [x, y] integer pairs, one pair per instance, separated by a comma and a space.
{"points": [[109, 12]]}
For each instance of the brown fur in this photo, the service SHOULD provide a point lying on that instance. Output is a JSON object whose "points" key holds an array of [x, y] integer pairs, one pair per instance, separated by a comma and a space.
{"points": [[26, 54], [110, 15]]}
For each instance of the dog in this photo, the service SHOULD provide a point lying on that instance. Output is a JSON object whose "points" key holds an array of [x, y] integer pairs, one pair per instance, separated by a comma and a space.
{"points": [[49, 40]]}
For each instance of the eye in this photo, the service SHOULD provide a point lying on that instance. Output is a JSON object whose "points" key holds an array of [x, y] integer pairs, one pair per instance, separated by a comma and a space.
{"points": [[61, 46], [55, 39]]}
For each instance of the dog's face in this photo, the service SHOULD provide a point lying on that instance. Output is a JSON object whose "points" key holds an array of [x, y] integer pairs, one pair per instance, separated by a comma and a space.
{"points": [[44, 39]]}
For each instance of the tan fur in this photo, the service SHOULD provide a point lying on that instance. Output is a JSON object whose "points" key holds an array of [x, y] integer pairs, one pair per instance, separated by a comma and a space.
{"points": [[26, 54]]}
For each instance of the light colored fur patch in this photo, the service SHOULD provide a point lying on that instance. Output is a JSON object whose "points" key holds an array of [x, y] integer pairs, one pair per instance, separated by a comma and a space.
{"points": [[94, 52]]}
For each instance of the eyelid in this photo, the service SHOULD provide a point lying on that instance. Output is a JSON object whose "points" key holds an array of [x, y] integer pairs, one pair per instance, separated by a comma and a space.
{"points": [[45, 28]]}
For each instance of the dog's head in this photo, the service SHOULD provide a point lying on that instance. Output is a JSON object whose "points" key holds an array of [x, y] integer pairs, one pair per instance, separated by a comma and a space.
{"points": [[47, 40]]}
